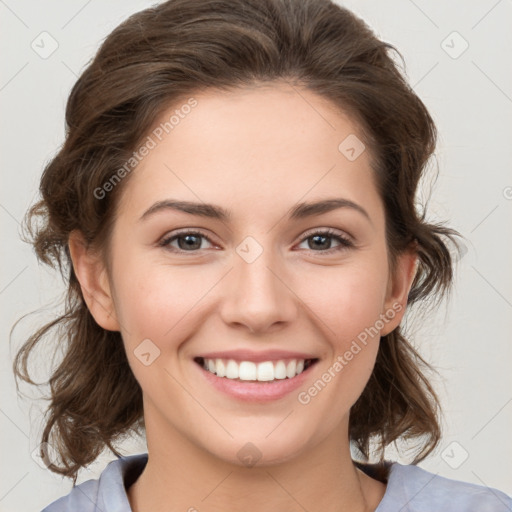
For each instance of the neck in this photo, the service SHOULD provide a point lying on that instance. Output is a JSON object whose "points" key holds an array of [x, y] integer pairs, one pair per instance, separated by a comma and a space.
{"points": [[180, 476]]}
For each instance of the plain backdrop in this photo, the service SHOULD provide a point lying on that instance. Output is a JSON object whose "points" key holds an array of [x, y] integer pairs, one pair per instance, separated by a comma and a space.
{"points": [[458, 61]]}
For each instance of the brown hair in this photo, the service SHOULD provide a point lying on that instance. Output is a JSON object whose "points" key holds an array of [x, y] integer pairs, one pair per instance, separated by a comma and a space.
{"points": [[147, 63]]}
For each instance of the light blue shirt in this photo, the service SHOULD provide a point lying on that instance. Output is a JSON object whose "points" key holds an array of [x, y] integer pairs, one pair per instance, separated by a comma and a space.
{"points": [[409, 489]]}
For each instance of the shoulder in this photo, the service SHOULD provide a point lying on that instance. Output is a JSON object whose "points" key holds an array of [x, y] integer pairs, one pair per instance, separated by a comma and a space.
{"points": [[82, 498], [107, 493], [414, 489]]}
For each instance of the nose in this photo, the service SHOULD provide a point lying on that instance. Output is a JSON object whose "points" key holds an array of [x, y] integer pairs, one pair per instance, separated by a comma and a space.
{"points": [[258, 297]]}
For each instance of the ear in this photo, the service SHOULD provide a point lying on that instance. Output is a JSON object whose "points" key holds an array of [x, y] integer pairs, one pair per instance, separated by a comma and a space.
{"points": [[398, 289], [92, 276]]}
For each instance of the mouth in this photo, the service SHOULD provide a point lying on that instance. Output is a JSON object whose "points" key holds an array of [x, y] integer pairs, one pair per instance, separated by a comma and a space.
{"points": [[252, 371]]}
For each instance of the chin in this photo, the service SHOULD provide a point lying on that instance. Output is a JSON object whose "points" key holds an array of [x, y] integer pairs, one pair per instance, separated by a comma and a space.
{"points": [[257, 451]]}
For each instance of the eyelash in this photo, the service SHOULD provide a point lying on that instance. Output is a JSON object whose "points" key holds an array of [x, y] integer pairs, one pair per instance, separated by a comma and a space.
{"points": [[345, 243]]}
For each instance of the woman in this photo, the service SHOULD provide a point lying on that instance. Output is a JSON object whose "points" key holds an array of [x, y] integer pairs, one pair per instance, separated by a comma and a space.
{"points": [[235, 205]]}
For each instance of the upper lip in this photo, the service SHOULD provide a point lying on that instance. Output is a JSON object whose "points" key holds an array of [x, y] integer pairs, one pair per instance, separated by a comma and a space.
{"points": [[249, 355]]}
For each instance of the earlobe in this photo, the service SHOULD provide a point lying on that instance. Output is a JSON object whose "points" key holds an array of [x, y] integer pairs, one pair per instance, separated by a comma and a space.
{"points": [[92, 276], [398, 289]]}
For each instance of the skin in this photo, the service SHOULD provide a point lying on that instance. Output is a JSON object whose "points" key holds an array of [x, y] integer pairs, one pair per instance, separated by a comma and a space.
{"points": [[256, 152]]}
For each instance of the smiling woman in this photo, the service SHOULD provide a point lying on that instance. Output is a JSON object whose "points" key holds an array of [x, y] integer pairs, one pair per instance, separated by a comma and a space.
{"points": [[237, 293]]}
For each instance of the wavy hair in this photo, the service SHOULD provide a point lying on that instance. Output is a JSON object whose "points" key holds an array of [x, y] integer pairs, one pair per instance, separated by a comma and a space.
{"points": [[150, 61]]}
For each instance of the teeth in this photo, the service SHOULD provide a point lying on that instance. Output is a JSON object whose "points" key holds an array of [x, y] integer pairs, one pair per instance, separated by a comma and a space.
{"points": [[232, 370], [219, 368], [265, 371], [247, 370], [291, 369], [280, 370]]}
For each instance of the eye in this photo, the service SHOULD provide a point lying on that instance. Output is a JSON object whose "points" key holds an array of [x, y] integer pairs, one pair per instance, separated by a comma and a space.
{"points": [[187, 241], [321, 241]]}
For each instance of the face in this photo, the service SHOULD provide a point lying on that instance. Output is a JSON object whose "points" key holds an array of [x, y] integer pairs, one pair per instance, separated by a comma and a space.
{"points": [[257, 285]]}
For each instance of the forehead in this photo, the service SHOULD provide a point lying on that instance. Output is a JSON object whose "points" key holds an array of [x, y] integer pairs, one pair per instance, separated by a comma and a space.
{"points": [[253, 146]]}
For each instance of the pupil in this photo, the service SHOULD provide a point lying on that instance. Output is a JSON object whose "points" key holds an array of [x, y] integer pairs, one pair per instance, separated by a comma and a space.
{"points": [[189, 242], [325, 245]]}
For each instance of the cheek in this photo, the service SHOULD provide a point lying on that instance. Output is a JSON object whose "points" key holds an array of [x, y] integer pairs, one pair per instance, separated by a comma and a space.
{"points": [[348, 303], [153, 301], [347, 300], [159, 308]]}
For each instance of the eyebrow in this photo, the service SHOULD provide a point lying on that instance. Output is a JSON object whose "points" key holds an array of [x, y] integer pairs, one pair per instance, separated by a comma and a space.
{"points": [[299, 211]]}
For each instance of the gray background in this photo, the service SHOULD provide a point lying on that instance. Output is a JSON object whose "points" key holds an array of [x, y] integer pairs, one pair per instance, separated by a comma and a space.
{"points": [[469, 94]]}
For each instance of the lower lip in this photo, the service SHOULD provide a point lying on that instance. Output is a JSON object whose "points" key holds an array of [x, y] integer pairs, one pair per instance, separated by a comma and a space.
{"points": [[255, 391]]}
